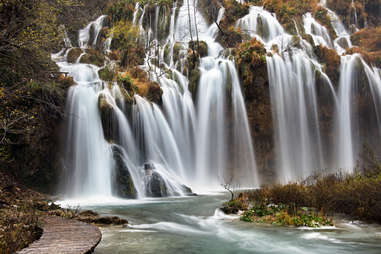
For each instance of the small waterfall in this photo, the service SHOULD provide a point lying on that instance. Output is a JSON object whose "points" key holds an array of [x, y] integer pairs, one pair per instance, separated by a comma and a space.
{"points": [[293, 92], [348, 125], [318, 32], [91, 30], [87, 155], [197, 132], [293, 97], [261, 24], [343, 41]]}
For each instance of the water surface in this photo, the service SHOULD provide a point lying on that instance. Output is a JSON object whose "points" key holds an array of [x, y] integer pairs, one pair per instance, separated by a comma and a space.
{"points": [[192, 225]]}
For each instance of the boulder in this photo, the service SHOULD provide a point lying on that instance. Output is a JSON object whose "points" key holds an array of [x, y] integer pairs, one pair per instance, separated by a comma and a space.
{"points": [[94, 57], [73, 55], [155, 185], [201, 47], [123, 186], [107, 74]]}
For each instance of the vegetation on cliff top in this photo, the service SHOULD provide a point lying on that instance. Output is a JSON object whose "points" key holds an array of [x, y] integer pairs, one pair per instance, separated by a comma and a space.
{"points": [[369, 42]]}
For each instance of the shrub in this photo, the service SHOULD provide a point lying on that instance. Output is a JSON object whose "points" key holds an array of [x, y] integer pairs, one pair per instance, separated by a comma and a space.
{"points": [[357, 195], [126, 39], [120, 10], [331, 62], [250, 58]]}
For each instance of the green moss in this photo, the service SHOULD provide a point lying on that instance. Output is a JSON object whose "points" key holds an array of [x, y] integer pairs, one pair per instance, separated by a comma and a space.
{"points": [[233, 12], [250, 57], [94, 57], [126, 82], [234, 206], [126, 40], [279, 214], [201, 47], [107, 74]]}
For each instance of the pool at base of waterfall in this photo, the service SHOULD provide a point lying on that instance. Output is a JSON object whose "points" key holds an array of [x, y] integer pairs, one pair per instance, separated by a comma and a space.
{"points": [[195, 225]]}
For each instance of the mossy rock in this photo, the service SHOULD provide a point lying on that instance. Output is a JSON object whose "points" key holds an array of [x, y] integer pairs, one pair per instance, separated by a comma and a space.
{"points": [[107, 74], [94, 57], [106, 111], [201, 47], [250, 57], [194, 78], [155, 186], [176, 51], [73, 55], [125, 82], [154, 93], [331, 62], [123, 186], [177, 47], [230, 37]]}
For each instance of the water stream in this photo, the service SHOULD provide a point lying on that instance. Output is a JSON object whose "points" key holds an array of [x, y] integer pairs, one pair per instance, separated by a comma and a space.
{"points": [[193, 225]]}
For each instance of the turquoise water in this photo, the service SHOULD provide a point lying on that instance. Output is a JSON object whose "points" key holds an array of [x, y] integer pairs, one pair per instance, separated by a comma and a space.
{"points": [[192, 225]]}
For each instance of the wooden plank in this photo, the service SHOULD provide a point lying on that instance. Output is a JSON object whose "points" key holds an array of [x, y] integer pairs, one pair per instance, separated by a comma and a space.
{"points": [[62, 235]]}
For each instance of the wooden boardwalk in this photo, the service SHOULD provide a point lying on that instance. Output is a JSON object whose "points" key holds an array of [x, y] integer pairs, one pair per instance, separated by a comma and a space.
{"points": [[65, 236]]}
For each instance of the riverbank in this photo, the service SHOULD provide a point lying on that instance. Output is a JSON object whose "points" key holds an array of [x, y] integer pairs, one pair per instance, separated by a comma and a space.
{"points": [[22, 211], [312, 201]]}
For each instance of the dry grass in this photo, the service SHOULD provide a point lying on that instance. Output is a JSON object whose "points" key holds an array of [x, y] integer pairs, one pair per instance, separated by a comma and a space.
{"points": [[357, 195]]}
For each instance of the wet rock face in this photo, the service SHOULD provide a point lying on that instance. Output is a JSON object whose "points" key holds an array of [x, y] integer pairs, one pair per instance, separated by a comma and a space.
{"points": [[73, 55], [161, 29], [252, 68], [94, 57], [123, 185], [155, 186], [107, 117], [200, 47]]}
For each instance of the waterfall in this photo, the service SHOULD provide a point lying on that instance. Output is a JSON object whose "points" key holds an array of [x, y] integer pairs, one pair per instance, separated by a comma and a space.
{"points": [[91, 30], [300, 145], [185, 141], [292, 92], [203, 140], [293, 97], [348, 129], [318, 32], [87, 155]]}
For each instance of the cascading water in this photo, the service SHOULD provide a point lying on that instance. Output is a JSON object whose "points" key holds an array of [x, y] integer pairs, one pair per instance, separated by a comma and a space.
{"points": [[318, 32], [301, 147], [207, 141], [198, 132], [183, 141], [350, 137], [292, 91], [88, 156]]}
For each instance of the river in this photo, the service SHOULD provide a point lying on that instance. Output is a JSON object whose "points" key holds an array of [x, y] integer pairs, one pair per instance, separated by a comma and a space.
{"points": [[194, 225]]}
